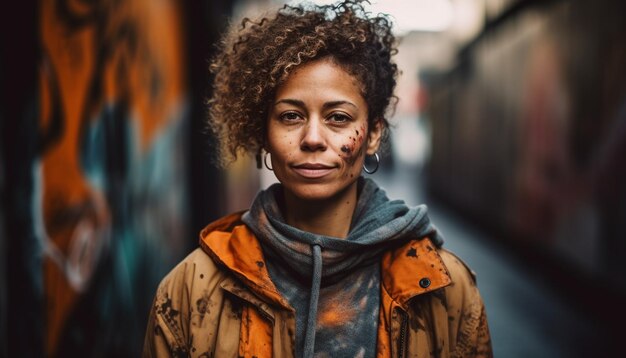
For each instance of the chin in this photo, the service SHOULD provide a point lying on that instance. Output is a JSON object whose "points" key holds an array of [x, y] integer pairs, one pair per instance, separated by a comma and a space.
{"points": [[317, 191]]}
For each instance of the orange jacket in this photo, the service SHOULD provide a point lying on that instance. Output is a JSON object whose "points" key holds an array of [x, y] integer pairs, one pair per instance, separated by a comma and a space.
{"points": [[221, 302]]}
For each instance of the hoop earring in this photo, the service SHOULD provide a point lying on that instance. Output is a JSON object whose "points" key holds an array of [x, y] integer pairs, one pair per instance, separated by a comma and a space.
{"points": [[372, 171], [265, 162]]}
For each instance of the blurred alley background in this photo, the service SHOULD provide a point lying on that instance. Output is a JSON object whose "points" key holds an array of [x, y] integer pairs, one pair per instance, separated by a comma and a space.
{"points": [[511, 126]]}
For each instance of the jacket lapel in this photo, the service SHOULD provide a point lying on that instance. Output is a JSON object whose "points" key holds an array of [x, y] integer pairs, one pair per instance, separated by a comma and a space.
{"points": [[238, 249], [411, 270]]}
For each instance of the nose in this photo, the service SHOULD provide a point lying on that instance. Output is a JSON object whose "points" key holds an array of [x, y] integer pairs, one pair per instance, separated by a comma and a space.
{"points": [[313, 137]]}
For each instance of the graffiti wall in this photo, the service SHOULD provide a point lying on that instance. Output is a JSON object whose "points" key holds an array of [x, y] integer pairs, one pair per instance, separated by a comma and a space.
{"points": [[105, 166], [530, 133], [102, 142], [110, 180]]}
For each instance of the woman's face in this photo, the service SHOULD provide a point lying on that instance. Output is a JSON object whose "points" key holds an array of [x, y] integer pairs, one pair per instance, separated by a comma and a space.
{"points": [[318, 133]]}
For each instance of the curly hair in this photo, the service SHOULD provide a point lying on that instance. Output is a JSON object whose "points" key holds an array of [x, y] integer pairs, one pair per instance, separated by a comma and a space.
{"points": [[257, 57]]}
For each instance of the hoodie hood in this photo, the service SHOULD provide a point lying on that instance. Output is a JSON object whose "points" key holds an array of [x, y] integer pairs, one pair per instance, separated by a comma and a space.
{"points": [[377, 224]]}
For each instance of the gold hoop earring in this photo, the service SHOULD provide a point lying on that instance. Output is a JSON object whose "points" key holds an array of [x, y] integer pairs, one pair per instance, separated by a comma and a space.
{"points": [[372, 171], [265, 162]]}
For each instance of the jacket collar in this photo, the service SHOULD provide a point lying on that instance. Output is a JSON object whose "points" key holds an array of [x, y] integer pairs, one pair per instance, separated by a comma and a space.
{"points": [[230, 243], [413, 269]]}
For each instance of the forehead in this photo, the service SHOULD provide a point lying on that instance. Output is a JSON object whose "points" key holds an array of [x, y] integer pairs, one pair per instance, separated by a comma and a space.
{"points": [[322, 78]]}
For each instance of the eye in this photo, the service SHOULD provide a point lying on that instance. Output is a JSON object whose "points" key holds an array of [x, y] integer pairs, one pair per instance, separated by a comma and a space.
{"points": [[339, 117], [290, 117]]}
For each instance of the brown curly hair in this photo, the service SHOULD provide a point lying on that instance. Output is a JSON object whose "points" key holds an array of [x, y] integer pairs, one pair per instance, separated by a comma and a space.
{"points": [[256, 57]]}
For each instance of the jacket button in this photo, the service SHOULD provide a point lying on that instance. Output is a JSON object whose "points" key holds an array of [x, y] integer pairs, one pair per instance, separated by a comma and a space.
{"points": [[425, 282]]}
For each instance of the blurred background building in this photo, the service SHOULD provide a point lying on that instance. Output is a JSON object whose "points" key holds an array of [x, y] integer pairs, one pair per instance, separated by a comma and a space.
{"points": [[511, 125]]}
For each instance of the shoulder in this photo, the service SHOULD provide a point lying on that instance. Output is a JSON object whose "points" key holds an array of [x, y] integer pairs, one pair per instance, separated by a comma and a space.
{"points": [[192, 284], [462, 293], [459, 271], [194, 280], [462, 302], [195, 272], [186, 297]]}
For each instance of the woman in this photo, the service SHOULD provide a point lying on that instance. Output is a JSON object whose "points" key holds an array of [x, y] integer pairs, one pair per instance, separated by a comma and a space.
{"points": [[323, 263]]}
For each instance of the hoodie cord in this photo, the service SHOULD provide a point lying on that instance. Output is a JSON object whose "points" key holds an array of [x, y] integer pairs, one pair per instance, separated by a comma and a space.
{"points": [[316, 280]]}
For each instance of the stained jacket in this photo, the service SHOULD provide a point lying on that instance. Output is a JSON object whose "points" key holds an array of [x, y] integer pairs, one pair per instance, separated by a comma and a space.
{"points": [[220, 302]]}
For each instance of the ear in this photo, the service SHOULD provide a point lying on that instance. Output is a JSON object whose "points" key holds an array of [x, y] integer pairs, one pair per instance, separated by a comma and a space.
{"points": [[374, 137]]}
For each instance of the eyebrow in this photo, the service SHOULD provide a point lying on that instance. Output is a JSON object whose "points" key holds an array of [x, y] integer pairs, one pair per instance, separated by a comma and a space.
{"points": [[299, 103]]}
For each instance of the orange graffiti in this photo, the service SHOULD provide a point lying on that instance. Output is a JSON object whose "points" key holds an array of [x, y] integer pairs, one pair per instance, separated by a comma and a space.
{"points": [[97, 56]]}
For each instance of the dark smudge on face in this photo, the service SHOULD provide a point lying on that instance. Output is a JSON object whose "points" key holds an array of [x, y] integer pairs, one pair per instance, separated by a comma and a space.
{"points": [[351, 155]]}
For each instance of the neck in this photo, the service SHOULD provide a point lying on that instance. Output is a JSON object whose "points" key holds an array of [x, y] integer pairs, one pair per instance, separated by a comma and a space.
{"points": [[329, 217]]}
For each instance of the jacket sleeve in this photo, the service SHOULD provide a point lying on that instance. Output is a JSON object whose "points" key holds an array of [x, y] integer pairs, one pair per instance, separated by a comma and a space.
{"points": [[180, 323], [165, 332], [469, 334], [154, 345], [483, 338], [160, 340]]}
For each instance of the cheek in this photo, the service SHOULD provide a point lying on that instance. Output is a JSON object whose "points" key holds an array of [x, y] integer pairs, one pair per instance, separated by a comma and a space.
{"points": [[280, 141], [352, 147]]}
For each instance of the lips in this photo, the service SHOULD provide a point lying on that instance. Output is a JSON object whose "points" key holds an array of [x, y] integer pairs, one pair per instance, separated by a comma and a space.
{"points": [[312, 170]]}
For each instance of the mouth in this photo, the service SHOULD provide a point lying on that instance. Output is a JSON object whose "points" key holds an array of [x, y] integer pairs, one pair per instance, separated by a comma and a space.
{"points": [[312, 170]]}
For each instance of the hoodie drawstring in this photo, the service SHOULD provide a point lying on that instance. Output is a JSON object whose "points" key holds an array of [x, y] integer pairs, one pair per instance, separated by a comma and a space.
{"points": [[316, 280]]}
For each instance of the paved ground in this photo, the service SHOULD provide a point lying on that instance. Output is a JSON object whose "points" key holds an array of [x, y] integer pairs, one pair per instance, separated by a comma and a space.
{"points": [[526, 318]]}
